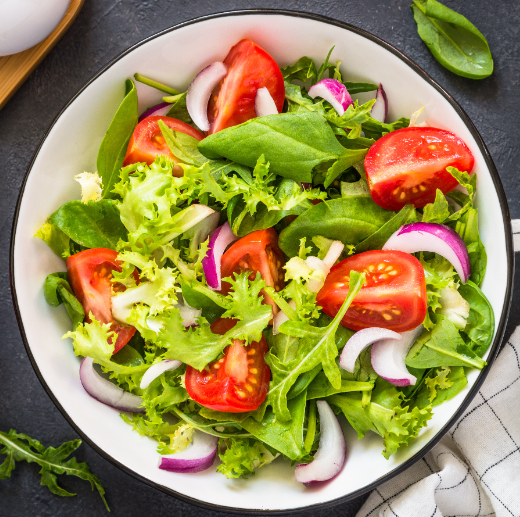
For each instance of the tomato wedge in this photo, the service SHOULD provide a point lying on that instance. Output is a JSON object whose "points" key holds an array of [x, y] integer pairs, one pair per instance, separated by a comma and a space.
{"points": [[89, 273], [256, 252], [237, 382], [393, 297], [409, 165], [147, 142], [250, 67]]}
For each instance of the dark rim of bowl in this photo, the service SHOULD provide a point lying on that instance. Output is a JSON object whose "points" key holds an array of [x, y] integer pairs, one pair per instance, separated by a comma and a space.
{"points": [[509, 252]]}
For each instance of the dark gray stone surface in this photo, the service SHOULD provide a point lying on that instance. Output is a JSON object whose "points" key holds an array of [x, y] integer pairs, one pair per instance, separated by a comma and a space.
{"points": [[103, 29]]}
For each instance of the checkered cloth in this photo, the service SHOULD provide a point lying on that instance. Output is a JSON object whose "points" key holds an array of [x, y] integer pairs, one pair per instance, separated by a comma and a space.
{"points": [[474, 471]]}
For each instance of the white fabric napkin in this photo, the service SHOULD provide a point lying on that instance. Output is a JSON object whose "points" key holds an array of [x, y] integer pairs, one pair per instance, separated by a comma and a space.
{"points": [[474, 471]]}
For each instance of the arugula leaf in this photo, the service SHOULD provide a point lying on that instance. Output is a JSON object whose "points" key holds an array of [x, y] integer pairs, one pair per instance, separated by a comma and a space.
{"points": [[182, 146], [355, 87], [179, 110], [376, 129], [55, 239], [349, 220], [347, 159], [112, 151], [302, 70], [57, 290], [438, 211], [292, 143], [453, 40], [443, 346], [320, 387], [480, 326], [93, 225], [316, 346], [53, 462], [325, 66]]}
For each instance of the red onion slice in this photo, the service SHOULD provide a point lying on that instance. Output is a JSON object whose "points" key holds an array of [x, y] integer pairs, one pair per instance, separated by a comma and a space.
{"points": [[157, 110], [281, 317], [436, 238], [388, 358], [264, 103], [333, 92], [321, 271], [359, 341], [199, 92], [219, 240], [332, 451], [156, 370], [103, 390], [380, 107], [197, 457]]}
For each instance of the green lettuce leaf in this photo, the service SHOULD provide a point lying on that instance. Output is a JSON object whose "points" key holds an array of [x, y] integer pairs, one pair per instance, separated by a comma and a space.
{"points": [[57, 290], [57, 241]]}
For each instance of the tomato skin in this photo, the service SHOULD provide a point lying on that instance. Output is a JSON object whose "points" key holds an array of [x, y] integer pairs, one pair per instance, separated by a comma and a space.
{"points": [[89, 274], [237, 382], [393, 297], [250, 67], [409, 165], [257, 252], [147, 142]]}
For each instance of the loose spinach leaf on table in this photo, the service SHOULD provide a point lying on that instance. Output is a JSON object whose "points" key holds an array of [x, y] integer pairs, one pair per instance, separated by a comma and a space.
{"points": [[453, 40], [292, 143], [20, 447], [95, 224], [57, 290], [112, 151]]}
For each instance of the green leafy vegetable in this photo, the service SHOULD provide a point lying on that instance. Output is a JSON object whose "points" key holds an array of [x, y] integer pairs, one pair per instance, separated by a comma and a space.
{"points": [[154, 84], [439, 385], [182, 146], [53, 462], [57, 290], [320, 387], [302, 70], [112, 151], [95, 224], [453, 40], [55, 239]]}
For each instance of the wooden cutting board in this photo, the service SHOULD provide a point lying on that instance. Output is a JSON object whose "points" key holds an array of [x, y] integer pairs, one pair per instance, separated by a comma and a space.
{"points": [[15, 69]]}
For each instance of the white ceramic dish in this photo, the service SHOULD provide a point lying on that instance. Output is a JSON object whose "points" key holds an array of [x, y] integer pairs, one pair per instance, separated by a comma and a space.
{"points": [[70, 146]]}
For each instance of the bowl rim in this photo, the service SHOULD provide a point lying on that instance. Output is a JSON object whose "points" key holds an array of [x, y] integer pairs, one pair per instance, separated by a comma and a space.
{"points": [[499, 335]]}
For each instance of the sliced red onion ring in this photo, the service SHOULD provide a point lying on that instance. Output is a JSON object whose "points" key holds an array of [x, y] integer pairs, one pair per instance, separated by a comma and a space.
{"points": [[103, 390], [219, 240], [157, 110], [389, 355], [199, 92], [359, 341], [156, 370], [264, 103], [436, 238], [335, 251], [380, 107], [333, 92], [197, 457], [281, 317], [332, 451]]}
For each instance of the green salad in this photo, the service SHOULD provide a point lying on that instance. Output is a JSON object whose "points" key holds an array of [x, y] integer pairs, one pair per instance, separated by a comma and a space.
{"points": [[262, 255]]}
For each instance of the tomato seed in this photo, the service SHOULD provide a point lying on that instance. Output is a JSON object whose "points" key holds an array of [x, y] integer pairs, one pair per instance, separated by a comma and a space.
{"points": [[387, 317], [253, 370]]}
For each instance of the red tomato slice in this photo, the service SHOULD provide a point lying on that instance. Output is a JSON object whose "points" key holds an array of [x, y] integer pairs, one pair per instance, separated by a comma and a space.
{"points": [[250, 67], [256, 252], [147, 142], [409, 165], [237, 382], [89, 273], [393, 297]]}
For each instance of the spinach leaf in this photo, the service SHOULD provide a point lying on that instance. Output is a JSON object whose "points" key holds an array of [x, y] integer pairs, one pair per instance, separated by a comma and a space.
{"points": [[57, 290], [182, 146], [53, 462], [179, 110], [198, 300], [347, 159], [377, 240], [302, 70], [95, 224], [349, 220], [453, 40], [292, 143], [481, 320], [112, 151], [55, 239], [443, 346], [284, 436], [439, 385]]}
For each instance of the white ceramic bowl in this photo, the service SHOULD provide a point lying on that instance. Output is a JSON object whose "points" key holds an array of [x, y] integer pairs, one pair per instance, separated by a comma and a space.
{"points": [[70, 146]]}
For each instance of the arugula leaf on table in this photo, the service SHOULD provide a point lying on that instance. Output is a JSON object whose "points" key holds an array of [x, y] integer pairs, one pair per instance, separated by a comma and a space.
{"points": [[53, 462], [292, 143], [443, 346], [95, 224], [57, 290], [112, 151], [349, 220], [57, 241], [316, 346], [453, 40]]}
